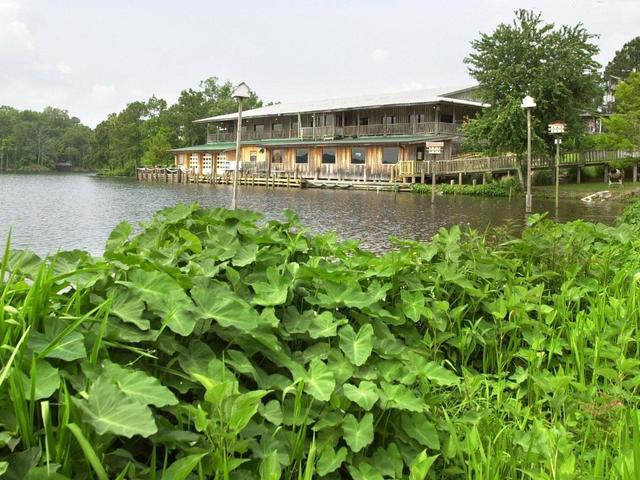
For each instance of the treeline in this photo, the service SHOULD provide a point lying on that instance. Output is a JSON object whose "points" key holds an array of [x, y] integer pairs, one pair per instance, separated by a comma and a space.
{"points": [[142, 133]]}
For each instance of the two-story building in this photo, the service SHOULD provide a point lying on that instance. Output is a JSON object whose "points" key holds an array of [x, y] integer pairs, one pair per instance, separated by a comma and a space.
{"points": [[350, 138]]}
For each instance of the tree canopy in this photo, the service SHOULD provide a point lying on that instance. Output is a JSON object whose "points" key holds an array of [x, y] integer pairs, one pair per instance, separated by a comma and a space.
{"points": [[142, 133], [625, 61], [555, 65], [623, 127]]}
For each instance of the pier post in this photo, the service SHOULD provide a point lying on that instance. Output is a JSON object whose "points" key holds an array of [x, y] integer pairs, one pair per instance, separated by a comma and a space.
{"points": [[288, 180], [460, 178], [635, 172], [579, 175], [606, 173], [484, 178], [166, 176], [473, 182]]}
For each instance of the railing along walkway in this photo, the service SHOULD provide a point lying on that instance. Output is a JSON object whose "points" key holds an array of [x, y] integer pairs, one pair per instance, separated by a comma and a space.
{"points": [[408, 168]]}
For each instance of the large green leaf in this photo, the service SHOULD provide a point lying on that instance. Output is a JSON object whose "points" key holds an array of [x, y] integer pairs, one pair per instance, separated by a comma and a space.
{"points": [[270, 467], [225, 307], [421, 465], [165, 297], [319, 381], [129, 307], [46, 381], [140, 386], [69, 348], [400, 397], [274, 290], [364, 471], [110, 410], [182, 468], [418, 427], [244, 407], [330, 460], [324, 325], [365, 395], [356, 346], [439, 375], [358, 434]]}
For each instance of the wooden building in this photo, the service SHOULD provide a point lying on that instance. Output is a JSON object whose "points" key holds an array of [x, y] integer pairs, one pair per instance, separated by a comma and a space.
{"points": [[343, 139]]}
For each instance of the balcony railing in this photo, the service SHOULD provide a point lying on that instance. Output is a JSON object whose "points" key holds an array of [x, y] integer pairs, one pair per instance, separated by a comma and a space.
{"points": [[350, 131]]}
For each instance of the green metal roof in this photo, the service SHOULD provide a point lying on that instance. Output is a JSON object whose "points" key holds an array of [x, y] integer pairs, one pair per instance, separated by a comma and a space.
{"points": [[392, 139]]}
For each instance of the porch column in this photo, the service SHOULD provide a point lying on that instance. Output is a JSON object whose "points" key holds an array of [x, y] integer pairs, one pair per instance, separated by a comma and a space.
{"points": [[200, 155], [214, 166]]}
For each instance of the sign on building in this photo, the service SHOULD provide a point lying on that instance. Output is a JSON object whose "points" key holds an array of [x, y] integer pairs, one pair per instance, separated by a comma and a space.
{"points": [[434, 148]]}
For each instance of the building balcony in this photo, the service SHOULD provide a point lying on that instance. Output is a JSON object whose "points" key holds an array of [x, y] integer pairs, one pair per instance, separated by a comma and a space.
{"points": [[333, 132]]}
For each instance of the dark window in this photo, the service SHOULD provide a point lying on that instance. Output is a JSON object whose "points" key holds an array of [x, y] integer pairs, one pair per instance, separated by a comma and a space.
{"points": [[446, 118], [364, 121], [302, 155], [276, 156], [418, 118], [328, 155], [389, 120], [358, 155], [420, 153], [390, 155], [253, 156], [259, 129], [277, 127]]}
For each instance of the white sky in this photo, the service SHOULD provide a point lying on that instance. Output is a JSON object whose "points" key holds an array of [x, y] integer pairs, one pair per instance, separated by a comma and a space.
{"points": [[92, 57]]}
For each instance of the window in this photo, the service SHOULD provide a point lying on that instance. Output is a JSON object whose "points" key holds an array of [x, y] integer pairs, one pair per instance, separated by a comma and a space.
{"points": [[302, 155], [259, 129], [418, 118], [364, 121], [328, 155], [358, 155], [253, 156], [420, 153], [389, 120], [390, 155], [276, 156], [276, 128], [446, 118], [294, 128]]}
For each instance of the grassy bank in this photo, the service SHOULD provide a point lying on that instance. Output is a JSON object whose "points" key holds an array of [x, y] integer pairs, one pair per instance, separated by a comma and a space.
{"points": [[213, 345], [504, 188]]}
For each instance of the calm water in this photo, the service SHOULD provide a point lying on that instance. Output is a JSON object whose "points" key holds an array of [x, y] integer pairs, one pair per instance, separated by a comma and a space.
{"points": [[50, 212]]}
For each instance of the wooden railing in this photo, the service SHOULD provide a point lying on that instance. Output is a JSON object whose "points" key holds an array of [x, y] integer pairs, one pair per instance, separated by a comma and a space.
{"points": [[330, 132], [409, 168]]}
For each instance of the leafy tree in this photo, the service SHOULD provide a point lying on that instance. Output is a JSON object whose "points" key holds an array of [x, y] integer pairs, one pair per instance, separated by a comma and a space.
{"points": [[625, 61], [554, 65], [623, 127], [157, 149]]}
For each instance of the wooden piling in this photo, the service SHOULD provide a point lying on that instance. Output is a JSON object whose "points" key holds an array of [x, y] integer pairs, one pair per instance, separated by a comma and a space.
{"points": [[579, 175]]}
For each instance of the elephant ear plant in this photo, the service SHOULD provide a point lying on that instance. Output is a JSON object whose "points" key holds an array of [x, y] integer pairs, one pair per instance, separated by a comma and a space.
{"points": [[217, 345]]}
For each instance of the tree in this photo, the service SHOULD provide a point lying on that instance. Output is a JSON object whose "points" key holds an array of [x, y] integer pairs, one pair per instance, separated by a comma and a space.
{"points": [[625, 61], [623, 127], [554, 65], [157, 149]]}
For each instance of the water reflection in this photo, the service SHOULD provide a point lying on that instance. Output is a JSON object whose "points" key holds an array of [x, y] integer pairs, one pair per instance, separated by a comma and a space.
{"points": [[64, 211]]}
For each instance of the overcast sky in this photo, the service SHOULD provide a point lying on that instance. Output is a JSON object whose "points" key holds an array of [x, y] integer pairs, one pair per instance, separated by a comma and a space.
{"points": [[93, 57]]}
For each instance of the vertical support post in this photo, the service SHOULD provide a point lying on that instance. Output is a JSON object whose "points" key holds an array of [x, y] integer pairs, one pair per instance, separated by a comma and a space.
{"points": [[200, 171], [606, 173], [635, 172], [557, 171], [433, 180], [234, 192], [460, 178], [579, 175], [484, 178], [528, 196]]}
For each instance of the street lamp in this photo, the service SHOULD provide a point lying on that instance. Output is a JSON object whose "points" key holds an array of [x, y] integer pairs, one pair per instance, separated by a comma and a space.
{"points": [[528, 103], [557, 128], [240, 93]]}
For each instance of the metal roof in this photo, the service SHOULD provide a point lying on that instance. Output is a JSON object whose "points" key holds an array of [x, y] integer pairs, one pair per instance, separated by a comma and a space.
{"points": [[391, 139], [414, 97]]}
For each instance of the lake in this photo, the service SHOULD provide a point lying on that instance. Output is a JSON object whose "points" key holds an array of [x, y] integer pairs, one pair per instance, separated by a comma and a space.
{"points": [[51, 212]]}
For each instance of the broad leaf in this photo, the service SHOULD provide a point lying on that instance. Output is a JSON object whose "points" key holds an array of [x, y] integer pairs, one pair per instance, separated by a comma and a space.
{"points": [[270, 467], [400, 397], [319, 381], [46, 382], [225, 307], [140, 386], [358, 434], [439, 375], [421, 465], [356, 346], [69, 348], [129, 307], [365, 395], [182, 468], [324, 325], [109, 410], [418, 427], [330, 460]]}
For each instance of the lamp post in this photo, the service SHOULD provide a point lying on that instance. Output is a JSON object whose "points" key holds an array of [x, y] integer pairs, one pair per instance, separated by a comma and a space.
{"points": [[240, 93], [557, 128], [434, 148], [528, 103]]}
